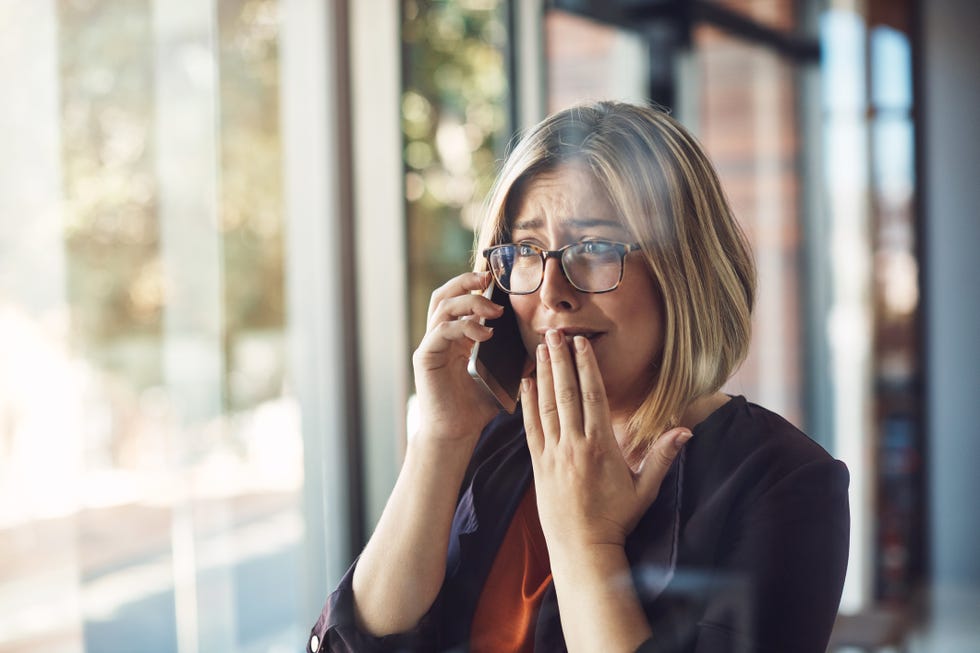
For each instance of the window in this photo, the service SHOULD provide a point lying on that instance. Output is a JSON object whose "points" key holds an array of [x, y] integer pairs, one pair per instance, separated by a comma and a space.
{"points": [[151, 435]]}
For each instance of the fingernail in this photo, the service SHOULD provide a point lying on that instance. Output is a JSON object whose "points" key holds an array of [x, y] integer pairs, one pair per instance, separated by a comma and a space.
{"points": [[542, 353], [553, 338], [579, 343], [525, 384]]}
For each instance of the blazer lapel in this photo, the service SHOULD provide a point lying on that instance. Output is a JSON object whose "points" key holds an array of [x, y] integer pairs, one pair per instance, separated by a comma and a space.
{"points": [[652, 546], [481, 520]]}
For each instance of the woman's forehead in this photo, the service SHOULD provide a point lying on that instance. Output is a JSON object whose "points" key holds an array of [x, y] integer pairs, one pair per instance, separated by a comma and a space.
{"points": [[568, 196]]}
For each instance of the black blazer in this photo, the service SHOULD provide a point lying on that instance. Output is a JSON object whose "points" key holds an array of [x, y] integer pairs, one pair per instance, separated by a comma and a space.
{"points": [[744, 549]]}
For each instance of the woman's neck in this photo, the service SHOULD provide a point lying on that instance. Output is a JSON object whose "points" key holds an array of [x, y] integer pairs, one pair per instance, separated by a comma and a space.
{"points": [[699, 409], [695, 413]]}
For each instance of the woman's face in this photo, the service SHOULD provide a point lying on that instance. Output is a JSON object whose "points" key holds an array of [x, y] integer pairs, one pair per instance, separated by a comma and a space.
{"points": [[565, 206]]}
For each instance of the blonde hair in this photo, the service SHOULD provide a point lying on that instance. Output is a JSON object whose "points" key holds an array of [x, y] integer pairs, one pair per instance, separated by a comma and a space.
{"points": [[668, 195]]}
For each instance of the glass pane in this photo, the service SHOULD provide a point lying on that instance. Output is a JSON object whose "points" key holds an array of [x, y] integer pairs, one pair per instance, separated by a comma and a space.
{"points": [[900, 560], [746, 118], [150, 449]]}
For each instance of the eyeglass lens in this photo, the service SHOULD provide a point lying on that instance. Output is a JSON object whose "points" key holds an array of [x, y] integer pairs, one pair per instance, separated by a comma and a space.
{"points": [[590, 266]]}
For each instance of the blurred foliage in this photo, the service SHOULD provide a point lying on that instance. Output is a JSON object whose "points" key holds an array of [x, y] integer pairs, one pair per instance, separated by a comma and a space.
{"points": [[115, 276], [251, 165], [455, 125], [112, 232]]}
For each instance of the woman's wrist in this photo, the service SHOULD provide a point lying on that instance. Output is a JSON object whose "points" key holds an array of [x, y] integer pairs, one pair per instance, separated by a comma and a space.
{"points": [[441, 460], [597, 598], [402, 566], [444, 443], [588, 563]]}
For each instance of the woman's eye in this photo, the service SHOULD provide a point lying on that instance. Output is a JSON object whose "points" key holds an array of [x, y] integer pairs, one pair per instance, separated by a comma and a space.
{"points": [[595, 247], [523, 249]]}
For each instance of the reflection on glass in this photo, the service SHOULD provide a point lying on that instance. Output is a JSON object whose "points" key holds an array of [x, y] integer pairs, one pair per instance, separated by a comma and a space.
{"points": [[849, 322], [747, 120], [455, 125]]}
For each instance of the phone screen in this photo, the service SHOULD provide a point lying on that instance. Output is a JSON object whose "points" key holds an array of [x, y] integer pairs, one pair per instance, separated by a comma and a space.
{"points": [[498, 363]]}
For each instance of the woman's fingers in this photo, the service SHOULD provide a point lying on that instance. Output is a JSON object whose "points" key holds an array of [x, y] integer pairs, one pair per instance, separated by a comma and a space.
{"points": [[464, 307], [546, 406], [571, 398], [459, 297], [532, 423], [459, 285], [444, 336], [595, 406], [452, 322], [567, 399]]}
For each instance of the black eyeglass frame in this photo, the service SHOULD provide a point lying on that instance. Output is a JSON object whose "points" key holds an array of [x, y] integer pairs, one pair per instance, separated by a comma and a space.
{"points": [[621, 248]]}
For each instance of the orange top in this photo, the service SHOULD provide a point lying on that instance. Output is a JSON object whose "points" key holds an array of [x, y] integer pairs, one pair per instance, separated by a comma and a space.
{"points": [[508, 607]]}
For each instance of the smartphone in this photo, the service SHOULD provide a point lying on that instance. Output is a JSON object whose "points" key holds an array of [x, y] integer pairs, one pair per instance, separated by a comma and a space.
{"points": [[499, 363]]}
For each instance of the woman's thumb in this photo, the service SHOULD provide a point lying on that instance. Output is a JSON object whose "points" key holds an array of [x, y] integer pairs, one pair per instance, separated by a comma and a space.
{"points": [[658, 460]]}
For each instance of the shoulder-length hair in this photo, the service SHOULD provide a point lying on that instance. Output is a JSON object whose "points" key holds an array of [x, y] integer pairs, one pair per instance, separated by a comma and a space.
{"points": [[668, 196]]}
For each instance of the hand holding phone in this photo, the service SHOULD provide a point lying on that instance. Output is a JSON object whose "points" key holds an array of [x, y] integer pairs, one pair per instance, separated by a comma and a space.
{"points": [[498, 364]]}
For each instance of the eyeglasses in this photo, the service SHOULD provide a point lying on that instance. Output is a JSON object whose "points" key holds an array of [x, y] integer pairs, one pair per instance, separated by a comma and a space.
{"points": [[592, 266]]}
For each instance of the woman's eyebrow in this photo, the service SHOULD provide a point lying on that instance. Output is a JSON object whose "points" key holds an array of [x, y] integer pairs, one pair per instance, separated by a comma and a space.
{"points": [[578, 223]]}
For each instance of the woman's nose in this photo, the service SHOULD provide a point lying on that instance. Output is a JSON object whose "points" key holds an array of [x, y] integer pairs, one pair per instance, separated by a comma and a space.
{"points": [[557, 293]]}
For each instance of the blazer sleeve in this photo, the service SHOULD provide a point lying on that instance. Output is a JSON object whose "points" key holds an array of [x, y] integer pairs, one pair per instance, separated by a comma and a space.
{"points": [[790, 546], [336, 629]]}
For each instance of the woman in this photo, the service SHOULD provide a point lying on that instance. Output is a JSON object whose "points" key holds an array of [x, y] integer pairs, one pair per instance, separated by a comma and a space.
{"points": [[629, 504]]}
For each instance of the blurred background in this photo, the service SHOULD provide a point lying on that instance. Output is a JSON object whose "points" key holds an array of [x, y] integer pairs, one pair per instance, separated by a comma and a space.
{"points": [[221, 220]]}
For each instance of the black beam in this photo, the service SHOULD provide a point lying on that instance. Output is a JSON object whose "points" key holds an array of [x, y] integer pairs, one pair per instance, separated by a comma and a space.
{"points": [[802, 49], [683, 15]]}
